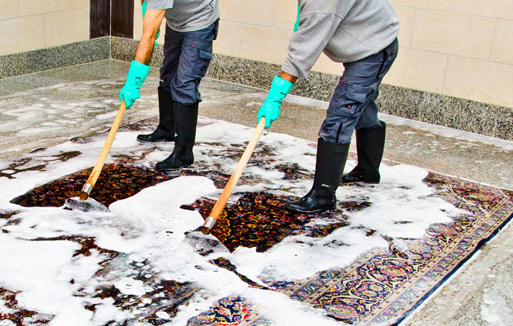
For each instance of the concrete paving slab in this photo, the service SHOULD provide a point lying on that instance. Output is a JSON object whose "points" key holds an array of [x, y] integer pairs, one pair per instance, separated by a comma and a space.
{"points": [[478, 294]]}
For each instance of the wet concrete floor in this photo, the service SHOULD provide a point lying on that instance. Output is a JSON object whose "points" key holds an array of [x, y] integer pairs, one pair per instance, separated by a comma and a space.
{"points": [[48, 108]]}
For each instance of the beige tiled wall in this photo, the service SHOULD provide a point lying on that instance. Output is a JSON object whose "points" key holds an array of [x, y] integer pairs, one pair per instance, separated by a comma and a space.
{"points": [[461, 48], [27, 25]]}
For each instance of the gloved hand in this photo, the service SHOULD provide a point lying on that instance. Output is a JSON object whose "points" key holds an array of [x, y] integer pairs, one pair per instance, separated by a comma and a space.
{"points": [[271, 107], [134, 80], [144, 6]]}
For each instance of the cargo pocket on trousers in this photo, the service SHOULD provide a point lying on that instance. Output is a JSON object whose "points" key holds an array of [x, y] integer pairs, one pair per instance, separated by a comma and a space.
{"points": [[203, 63], [356, 97]]}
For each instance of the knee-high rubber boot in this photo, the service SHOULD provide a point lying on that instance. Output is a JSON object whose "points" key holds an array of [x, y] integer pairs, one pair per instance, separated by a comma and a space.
{"points": [[330, 162], [186, 119], [370, 144], [166, 129]]}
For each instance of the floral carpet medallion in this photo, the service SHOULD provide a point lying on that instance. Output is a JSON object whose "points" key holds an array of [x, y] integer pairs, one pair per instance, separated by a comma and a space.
{"points": [[382, 285]]}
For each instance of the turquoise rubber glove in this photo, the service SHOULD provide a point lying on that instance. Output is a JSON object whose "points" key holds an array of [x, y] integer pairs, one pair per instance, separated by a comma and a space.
{"points": [[296, 25], [144, 6], [134, 80], [271, 107]]}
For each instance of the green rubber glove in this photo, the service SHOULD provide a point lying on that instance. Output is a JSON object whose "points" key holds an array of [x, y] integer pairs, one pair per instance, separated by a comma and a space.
{"points": [[296, 25], [271, 107], [144, 6], [134, 80]]}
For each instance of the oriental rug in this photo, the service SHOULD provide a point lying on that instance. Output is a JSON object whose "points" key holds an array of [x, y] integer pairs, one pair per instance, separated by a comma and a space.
{"points": [[383, 285]]}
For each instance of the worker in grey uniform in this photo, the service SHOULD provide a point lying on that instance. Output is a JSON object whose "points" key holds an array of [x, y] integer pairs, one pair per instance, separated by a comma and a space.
{"points": [[191, 28], [362, 35]]}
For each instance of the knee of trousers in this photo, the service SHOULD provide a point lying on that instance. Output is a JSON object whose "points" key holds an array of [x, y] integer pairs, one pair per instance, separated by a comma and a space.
{"points": [[186, 93], [369, 117], [338, 132]]}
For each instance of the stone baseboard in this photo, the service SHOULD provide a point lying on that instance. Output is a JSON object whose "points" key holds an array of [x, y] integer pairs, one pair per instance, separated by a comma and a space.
{"points": [[55, 57], [462, 114]]}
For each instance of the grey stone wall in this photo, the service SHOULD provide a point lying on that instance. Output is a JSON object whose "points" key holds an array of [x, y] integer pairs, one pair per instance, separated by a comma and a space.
{"points": [[481, 118], [54, 57]]}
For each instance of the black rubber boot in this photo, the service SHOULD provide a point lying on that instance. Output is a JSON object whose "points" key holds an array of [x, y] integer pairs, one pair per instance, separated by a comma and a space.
{"points": [[329, 165], [186, 119], [370, 144], [166, 129]]}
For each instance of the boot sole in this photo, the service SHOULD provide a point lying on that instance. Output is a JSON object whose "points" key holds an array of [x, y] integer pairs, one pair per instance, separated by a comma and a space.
{"points": [[172, 169], [155, 141], [360, 182], [318, 210]]}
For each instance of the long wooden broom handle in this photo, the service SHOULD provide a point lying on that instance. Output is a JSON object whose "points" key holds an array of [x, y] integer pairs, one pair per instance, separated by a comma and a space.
{"points": [[227, 191], [103, 155]]}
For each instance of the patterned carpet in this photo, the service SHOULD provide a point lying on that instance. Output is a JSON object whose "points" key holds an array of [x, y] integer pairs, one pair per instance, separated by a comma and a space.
{"points": [[387, 284], [383, 286]]}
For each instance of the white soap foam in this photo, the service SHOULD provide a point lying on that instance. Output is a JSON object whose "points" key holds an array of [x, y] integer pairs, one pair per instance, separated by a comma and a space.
{"points": [[151, 226]]}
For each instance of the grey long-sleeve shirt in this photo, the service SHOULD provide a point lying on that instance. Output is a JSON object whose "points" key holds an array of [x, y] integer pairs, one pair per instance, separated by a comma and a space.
{"points": [[187, 15], [345, 30]]}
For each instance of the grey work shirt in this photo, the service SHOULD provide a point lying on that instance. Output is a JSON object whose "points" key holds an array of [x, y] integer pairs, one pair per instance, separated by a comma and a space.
{"points": [[345, 30], [187, 15]]}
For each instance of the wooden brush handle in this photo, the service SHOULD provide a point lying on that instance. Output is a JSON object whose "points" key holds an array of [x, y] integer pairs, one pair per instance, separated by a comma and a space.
{"points": [[103, 155], [227, 191]]}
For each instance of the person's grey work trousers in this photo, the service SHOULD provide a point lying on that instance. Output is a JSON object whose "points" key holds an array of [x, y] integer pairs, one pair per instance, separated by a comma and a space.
{"points": [[353, 105], [187, 56]]}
